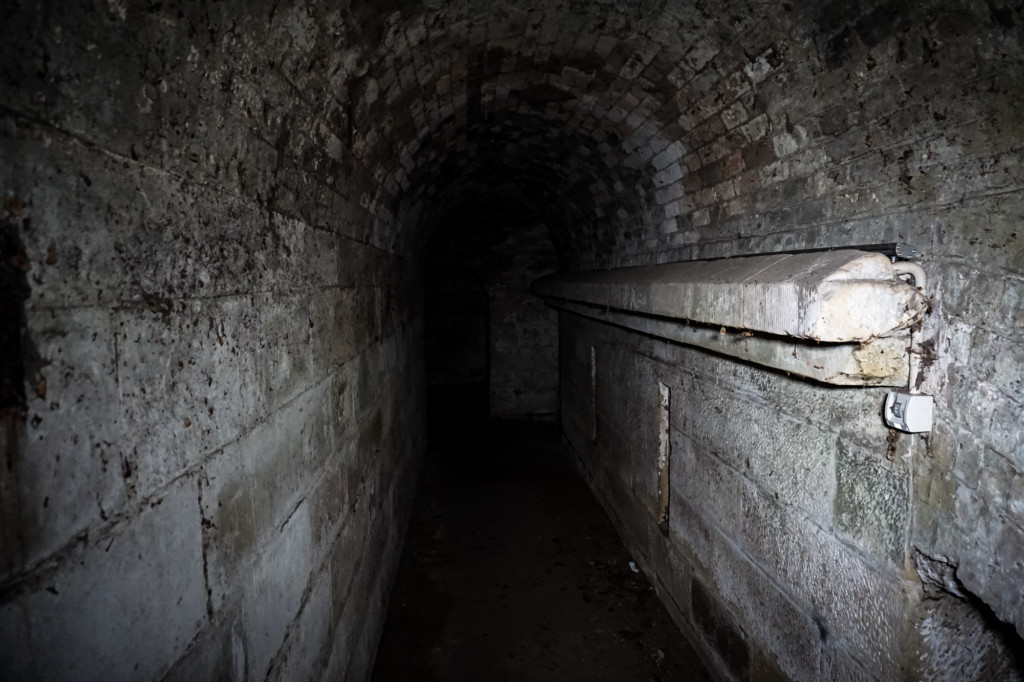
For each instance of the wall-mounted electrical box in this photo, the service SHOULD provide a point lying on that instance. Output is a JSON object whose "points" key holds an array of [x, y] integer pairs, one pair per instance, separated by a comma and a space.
{"points": [[909, 412]]}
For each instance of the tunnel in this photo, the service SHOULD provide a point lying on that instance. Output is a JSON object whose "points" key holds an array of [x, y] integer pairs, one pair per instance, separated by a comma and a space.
{"points": [[247, 246]]}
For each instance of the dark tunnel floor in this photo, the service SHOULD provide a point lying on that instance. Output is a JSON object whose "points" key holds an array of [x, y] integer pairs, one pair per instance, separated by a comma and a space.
{"points": [[512, 571]]}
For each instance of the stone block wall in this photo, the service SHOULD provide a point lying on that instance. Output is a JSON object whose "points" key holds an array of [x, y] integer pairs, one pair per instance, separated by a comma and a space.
{"points": [[785, 555], [216, 405], [784, 548], [213, 222]]}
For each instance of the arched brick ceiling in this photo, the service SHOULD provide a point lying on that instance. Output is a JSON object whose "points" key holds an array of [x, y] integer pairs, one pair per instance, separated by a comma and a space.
{"points": [[642, 128], [654, 130], [592, 111]]}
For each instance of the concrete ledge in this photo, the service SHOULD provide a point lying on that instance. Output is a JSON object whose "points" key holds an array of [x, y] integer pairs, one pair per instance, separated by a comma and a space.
{"points": [[881, 362], [837, 317], [832, 296]]}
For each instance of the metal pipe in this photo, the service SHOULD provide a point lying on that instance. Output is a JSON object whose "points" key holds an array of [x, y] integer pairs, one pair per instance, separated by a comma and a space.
{"points": [[891, 249], [920, 281], [912, 269]]}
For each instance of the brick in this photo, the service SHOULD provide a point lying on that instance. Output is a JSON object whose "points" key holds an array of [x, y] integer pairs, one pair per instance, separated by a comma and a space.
{"points": [[720, 631], [734, 115], [251, 487], [790, 460], [70, 473], [274, 597], [997, 571], [788, 639], [176, 409], [860, 607], [211, 655], [85, 268], [700, 55], [871, 505], [129, 603], [705, 483], [308, 640]]}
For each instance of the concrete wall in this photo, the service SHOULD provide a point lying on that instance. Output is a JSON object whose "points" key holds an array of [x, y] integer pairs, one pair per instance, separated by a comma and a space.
{"points": [[209, 472], [787, 553], [805, 539]]}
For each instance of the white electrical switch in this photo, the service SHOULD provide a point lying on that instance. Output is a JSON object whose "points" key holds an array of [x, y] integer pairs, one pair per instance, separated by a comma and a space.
{"points": [[909, 412]]}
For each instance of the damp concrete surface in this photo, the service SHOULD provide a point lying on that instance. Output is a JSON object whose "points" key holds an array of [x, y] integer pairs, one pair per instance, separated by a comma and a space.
{"points": [[511, 570]]}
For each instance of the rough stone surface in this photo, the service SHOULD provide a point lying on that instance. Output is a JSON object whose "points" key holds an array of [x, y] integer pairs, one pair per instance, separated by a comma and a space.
{"points": [[831, 296], [222, 397], [143, 583], [951, 634], [213, 225]]}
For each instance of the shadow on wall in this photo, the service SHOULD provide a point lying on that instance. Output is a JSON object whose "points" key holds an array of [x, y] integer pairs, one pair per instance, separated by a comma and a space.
{"points": [[456, 345], [483, 323], [457, 420], [14, 290]]}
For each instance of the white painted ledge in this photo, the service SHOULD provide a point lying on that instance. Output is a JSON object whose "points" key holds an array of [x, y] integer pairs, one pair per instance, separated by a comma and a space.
{"points": [[839, 317]]}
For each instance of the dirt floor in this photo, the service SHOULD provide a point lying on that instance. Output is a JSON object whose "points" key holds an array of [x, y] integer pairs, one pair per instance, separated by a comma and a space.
{"points": [[512, 571]]}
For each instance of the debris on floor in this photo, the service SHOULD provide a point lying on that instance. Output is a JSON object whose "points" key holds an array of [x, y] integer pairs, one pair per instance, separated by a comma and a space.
{"points": [[512, 571]]}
